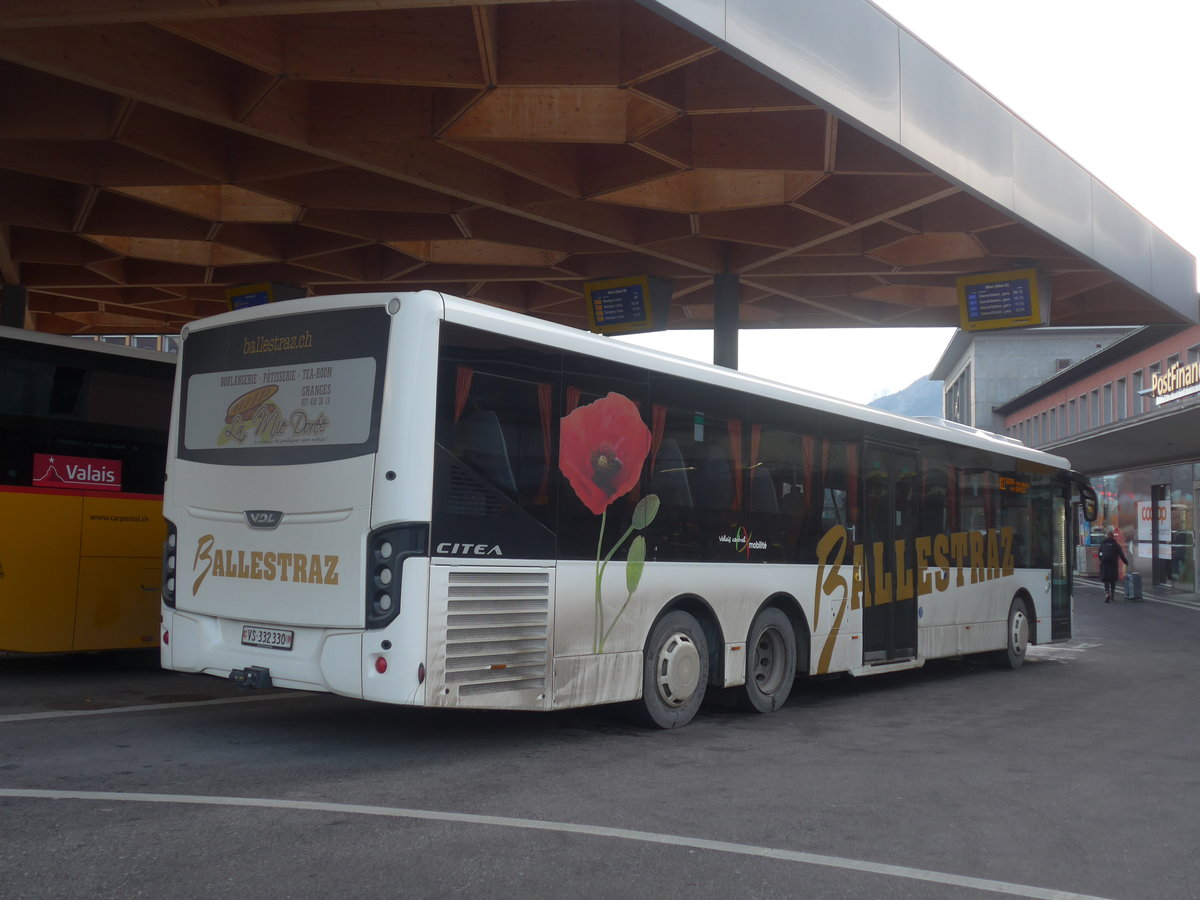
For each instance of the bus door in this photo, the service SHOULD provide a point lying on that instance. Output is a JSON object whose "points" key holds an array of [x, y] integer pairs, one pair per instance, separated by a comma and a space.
{"points": [[890, 483], [1060, 568]]}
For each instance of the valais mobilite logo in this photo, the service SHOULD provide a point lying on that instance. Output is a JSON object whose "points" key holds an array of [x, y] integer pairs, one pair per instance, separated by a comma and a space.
{"points": [[59, 471]]}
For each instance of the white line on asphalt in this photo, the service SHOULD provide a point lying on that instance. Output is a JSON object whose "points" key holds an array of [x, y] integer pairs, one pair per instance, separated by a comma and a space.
{"points": [[149, 707], [649, 837]]}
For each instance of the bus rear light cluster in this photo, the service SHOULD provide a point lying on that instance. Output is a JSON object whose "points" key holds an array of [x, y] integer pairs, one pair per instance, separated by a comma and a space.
{"points": [[168, 566], [387, 549]]}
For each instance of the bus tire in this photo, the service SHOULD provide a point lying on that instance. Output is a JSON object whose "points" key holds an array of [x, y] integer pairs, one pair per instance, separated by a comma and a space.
{"points": [[674, 672], [770, 662], [1017, 642]]}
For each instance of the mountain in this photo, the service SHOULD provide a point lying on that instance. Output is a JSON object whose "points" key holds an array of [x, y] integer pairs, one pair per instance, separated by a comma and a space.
{"points": [[921, 398]]}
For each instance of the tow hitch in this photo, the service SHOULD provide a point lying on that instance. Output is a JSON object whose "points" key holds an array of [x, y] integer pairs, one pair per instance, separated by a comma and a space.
{"points": [[251, 677]]}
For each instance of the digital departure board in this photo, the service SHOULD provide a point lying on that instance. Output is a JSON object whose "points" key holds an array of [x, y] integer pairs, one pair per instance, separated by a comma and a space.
{"points": [[999, 300], [627, 305]]}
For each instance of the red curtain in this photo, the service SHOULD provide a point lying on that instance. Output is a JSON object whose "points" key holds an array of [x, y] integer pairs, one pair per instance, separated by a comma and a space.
{"points": [[735, 458], [658, 424], [462, 389]]}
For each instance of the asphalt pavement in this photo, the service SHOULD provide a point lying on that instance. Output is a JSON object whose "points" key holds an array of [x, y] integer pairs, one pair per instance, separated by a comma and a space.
{"points": [[1076, 776]]}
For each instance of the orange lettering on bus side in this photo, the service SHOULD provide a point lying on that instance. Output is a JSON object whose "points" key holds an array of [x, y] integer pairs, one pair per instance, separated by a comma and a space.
{"points": [[924, 546], [977, 558], [1006, 544], [958, 550], [993, 554], [941, 559], [882, 588], [904, 575]]}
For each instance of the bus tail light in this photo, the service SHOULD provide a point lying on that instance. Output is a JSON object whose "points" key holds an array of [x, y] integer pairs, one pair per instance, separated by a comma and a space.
{"points": [[168, 565], [387, 549]]}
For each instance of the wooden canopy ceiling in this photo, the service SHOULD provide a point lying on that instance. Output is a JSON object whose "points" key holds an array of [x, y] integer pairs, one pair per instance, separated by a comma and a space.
{"points": [[153, 153]]}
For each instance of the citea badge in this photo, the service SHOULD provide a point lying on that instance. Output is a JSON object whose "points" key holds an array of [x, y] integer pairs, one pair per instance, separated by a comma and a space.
{"points": [[75, 472]]}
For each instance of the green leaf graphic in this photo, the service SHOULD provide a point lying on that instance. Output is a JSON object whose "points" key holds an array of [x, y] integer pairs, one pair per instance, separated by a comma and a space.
{"points": [[635, 562], [645, 511]]}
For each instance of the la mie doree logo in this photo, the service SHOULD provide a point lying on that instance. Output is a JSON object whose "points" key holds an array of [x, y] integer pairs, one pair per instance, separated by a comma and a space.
{"points": [[255, 415]]}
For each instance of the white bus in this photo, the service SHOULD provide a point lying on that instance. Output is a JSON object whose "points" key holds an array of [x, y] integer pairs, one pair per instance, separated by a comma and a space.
{"points": [[422, 500]]}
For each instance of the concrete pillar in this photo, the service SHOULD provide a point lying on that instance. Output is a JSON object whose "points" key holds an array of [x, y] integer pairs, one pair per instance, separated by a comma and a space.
{"points": [[13, 303], [726, 300]]}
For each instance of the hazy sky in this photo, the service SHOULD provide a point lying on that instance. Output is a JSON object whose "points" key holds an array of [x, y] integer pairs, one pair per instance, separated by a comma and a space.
{"points": [[1113, 84]]}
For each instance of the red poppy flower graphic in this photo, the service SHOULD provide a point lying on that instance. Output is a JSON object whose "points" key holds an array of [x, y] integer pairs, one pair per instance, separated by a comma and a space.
{"points": [[602, 448]]}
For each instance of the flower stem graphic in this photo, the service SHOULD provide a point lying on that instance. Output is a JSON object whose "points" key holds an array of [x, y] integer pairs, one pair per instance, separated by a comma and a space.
{"points": [[643, 515], [602, 447]]}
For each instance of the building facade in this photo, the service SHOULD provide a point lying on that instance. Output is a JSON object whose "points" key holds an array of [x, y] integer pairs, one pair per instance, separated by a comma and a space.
{"points": [[982, 370], [1129, 416]]}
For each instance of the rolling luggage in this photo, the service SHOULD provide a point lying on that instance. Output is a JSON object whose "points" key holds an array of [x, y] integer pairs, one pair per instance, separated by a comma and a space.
{"points": [[1133, 586]]}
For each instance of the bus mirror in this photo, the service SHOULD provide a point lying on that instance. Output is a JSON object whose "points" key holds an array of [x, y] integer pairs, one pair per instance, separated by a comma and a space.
{"points": [[1091, 506]]}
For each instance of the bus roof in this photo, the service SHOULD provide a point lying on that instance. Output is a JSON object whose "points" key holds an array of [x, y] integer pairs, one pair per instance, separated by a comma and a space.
{"points": [[468, 312], [479, 315]]}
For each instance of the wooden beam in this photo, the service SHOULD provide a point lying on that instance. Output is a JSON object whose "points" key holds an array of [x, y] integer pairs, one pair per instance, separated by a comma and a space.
{"points": [[258, 42], [97, 12], [430, 46]]}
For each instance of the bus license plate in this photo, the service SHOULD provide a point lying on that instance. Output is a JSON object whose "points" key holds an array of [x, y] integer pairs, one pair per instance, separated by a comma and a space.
{"points": [[276, 638]]}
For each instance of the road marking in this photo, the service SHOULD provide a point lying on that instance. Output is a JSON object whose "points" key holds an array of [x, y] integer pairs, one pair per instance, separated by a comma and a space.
{"points": [[149, 707], [648, 837]]}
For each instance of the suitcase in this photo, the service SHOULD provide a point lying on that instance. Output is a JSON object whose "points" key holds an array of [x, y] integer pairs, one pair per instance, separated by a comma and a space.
{"points": [[1133, 585]]}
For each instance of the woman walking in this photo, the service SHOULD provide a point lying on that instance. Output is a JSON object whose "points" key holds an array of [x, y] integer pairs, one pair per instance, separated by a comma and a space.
{"points": [[1110, 551]]}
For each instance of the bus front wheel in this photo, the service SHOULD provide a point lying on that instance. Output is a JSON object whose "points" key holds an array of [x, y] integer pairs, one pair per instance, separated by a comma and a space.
{"points": [[770, 662], [674, 672], [1013, 655]]}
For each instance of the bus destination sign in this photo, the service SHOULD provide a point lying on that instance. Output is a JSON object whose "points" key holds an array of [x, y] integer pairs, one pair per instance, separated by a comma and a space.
{"points": [[999, 300]]}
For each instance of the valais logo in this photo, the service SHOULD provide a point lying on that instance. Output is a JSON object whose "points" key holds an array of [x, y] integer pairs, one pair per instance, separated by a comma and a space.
{"points": [[76, 472]]}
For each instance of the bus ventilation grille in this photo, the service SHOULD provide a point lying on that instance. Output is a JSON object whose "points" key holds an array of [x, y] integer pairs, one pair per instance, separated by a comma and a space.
{"points": [[497, 631]]}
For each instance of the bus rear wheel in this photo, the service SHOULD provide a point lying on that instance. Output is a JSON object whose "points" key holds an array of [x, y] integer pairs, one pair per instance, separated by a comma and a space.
{"points": [[674, 672], [1013, 655], [770, 662]]}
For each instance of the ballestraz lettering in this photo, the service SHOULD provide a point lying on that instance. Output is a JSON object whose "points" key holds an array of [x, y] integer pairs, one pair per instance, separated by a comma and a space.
{"points": [[264, 344], [260, 565]]}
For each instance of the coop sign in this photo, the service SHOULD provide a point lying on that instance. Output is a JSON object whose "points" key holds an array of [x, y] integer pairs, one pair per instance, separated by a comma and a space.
{"points": [[1178, 381]]}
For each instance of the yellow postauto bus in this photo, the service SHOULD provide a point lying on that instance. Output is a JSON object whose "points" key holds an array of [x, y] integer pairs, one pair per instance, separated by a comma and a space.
{"points": [[83, 430]]}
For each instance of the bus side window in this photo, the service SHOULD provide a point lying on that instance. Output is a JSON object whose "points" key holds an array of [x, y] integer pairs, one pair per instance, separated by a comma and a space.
{"points": [[670, 478], [485, 448]]}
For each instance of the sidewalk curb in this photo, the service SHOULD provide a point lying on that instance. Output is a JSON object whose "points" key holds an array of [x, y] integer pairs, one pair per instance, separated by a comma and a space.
{"points": [[1188, 601]]}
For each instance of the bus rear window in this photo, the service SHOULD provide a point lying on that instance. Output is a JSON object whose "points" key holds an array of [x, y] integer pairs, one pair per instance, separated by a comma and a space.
{"points": [[305, 392]]}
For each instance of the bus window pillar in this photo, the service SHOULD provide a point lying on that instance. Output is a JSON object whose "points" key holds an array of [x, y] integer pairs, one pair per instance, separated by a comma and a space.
{"points": [[726, 297]]}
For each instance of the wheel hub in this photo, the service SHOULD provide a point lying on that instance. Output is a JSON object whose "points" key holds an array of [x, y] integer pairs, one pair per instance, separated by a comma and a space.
{"points": [[677, 671], [767, 671], [1020, 633]]}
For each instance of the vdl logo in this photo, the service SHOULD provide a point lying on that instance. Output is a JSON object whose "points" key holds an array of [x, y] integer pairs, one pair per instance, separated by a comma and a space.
{"points": [[265, 519]]}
